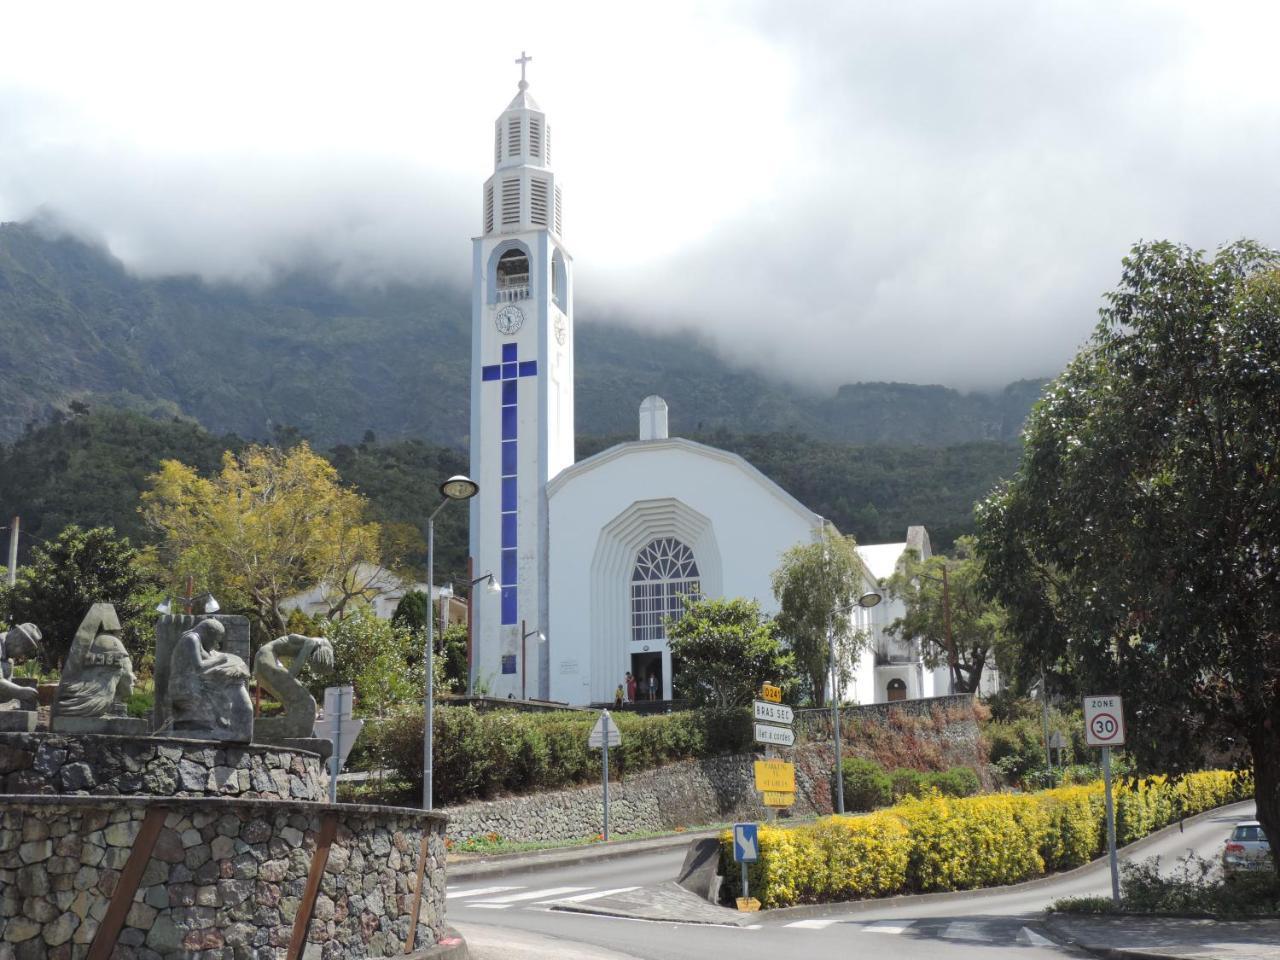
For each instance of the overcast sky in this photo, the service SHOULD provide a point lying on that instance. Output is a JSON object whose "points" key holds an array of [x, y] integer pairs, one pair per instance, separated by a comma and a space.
{"points": [[933, 192]]}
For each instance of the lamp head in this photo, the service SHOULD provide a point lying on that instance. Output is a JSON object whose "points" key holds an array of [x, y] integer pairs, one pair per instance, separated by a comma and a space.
{"points": [[492, 585], [869, 600], [459, 487], [211, 605]]}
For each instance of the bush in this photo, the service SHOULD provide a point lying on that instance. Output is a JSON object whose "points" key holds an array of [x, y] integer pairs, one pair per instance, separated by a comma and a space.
{"points": [[960, 843], [483, 755], [956, 782], [1195, 889], [866, 785]]}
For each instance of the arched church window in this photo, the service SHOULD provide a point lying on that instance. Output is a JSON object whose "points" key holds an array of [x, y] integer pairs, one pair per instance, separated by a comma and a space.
{"points": [[665, 573], [513, 275]]}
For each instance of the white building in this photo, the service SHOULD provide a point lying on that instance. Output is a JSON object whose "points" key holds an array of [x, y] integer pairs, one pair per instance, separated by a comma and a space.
{"points": [[593, 555], [380, 591]]}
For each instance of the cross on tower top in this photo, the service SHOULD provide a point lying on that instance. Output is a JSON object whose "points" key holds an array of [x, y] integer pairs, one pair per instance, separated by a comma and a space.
{"points": [[524, 59]]}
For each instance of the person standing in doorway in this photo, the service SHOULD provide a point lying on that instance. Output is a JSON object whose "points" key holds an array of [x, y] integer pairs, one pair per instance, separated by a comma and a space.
{"points": [[653, 686], [631, 687]]}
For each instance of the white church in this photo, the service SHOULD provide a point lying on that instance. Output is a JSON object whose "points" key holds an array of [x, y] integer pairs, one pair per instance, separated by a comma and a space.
{"points": [[592, 556]]}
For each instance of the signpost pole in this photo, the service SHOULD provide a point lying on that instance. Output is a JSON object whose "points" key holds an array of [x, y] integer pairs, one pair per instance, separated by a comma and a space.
{"points": [[337, 750], [746, 891], [605, 754], [1111, 827]]}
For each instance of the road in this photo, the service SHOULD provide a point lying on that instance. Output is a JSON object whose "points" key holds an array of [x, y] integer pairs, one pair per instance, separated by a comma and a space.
{"points": [[509, 916]]}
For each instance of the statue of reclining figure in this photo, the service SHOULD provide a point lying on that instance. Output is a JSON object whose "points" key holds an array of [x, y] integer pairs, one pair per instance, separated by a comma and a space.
{"points": [[269, 668], [20, 643]]}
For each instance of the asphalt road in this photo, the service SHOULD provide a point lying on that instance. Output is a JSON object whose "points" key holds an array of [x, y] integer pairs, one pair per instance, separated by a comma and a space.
{"points": [[508, 916]]}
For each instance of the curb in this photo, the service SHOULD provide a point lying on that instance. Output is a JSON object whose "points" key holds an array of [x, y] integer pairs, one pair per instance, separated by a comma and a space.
{"points": [[503, 864], [450, 947]]}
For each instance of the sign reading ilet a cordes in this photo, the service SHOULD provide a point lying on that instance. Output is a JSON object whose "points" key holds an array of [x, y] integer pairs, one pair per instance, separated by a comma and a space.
{"points": [[1103, 721]]}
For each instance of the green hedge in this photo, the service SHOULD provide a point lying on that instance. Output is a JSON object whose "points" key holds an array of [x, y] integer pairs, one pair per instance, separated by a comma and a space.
{"points": [[945, 843], [868, 786], [479, 755]]}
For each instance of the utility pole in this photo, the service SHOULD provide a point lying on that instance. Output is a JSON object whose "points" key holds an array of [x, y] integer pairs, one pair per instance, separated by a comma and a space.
{"points": [[13, 550], [951, 643]]}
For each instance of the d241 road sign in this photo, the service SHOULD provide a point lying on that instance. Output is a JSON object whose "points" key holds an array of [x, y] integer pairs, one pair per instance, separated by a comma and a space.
{"points": [[771, 693], [1103, 722], [746, 843]]}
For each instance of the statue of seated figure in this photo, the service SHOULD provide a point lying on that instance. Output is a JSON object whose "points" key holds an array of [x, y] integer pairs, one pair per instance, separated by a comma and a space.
{"points": [[209, 688], [16, 645], [299, 705]]}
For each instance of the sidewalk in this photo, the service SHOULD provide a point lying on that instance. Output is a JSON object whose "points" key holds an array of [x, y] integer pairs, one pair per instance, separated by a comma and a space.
{"points": [[1164, 938]]}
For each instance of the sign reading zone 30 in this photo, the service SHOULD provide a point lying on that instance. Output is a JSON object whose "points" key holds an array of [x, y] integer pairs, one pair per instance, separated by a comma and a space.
{"points": [[1103, 722]]}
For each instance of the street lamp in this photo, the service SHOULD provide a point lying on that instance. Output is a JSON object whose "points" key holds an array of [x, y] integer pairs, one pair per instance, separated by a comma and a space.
{"points": [[866, 601], [524, 660], [455, 488]]}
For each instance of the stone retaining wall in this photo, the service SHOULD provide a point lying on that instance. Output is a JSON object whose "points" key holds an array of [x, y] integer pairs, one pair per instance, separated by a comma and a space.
{"points": [[722, 789], [222, 878], [103, 765]]}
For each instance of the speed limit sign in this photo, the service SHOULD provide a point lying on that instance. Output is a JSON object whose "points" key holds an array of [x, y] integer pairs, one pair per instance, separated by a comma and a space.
{"points": [[1103, 722]]}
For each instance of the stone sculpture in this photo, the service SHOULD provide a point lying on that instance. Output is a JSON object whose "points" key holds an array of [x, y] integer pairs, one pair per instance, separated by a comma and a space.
{"points": [[299, 705], [97, 679], [20, 643], [208, 688]]}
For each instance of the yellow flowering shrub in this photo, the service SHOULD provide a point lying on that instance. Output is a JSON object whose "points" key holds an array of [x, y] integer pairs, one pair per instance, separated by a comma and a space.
{"points": [[947, 843]]}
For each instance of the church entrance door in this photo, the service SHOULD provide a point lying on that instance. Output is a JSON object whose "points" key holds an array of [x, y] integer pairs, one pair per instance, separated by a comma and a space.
{"points": [[643, 667]]}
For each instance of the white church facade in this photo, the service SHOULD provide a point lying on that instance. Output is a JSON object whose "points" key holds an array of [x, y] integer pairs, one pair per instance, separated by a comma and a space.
{"points": [[592, 556]]}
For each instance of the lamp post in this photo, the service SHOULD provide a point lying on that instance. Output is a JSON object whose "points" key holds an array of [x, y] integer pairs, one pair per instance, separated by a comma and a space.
{"points": [[455, 488], [866, 601], [524, 659]]}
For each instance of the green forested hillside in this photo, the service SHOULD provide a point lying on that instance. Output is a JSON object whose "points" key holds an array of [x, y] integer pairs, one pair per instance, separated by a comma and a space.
{"points": [[90, 467], [394, 359]]}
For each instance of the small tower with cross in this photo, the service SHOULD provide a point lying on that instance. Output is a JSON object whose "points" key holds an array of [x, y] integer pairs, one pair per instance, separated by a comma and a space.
{"points": [[521, 394]]}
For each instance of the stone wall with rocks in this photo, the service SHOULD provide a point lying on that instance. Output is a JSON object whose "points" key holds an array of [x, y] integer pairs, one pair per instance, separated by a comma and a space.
{"points": [[102, 765], [223, 878], [935, 733]]}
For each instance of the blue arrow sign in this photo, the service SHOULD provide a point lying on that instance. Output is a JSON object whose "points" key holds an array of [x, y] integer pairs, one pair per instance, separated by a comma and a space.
{"points": [[746, 843]]}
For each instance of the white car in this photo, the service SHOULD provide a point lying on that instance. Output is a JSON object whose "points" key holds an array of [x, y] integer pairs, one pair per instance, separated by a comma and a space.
{"points": [[1247, 849]]}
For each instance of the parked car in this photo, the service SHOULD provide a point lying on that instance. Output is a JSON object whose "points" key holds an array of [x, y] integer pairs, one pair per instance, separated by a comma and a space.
{"points": [[1247, 849]]}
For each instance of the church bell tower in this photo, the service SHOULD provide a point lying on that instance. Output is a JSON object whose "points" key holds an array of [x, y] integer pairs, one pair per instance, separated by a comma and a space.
{"points": [[521, 397]]}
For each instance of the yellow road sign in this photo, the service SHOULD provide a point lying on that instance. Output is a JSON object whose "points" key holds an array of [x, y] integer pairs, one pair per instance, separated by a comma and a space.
{"points": [[773, 798], [771, 693], [775, 776]]}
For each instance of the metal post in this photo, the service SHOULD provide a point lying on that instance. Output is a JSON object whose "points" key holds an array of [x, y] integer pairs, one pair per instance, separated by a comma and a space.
{"points": [[605, 742], [524, 659], [1111, 828], [835, 723], [1044, 716], [946, 614], [746, 890], [13, 550], [335, 761], [429, 658], [471, 589]]}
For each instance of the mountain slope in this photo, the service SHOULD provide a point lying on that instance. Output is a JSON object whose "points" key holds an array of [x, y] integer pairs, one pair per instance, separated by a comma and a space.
{"points": [[335, 363]]}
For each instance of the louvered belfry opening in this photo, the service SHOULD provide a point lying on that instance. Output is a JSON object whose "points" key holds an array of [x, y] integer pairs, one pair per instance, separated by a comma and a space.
{"points": [[535, 139], [559, 228], [538, 201], [513, 137], [488, 208], [511, 200]]}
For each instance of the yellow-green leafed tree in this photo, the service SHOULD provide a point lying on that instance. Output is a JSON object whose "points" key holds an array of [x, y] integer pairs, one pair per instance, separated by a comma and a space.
{"points": [[269, 525]]}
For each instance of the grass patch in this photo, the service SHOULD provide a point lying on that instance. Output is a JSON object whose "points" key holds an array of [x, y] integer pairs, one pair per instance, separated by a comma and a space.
{"points": [[1196, 888]]}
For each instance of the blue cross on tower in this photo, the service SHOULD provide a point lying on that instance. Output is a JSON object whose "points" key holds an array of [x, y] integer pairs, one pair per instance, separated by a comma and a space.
{"points": [[508, 372]]}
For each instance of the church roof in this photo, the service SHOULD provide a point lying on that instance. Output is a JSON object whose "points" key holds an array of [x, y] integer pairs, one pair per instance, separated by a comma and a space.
{"points": [[523, 101], [881, 558], [640, 447]]}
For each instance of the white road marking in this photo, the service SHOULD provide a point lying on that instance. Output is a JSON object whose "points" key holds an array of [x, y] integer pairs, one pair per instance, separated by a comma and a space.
{"points": [[594, 895], [477, 892], [548, 893], [489, 906], [964, 930], [887, 926], [1030, 938], [818, 923]]}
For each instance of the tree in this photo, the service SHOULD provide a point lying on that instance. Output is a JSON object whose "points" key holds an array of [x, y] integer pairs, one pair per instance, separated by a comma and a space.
{"points": [[816, 586], [1136, 546], [451, 643], [271, 524], [726, 649], [955, 621], [75, 570], [381, 659]]}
